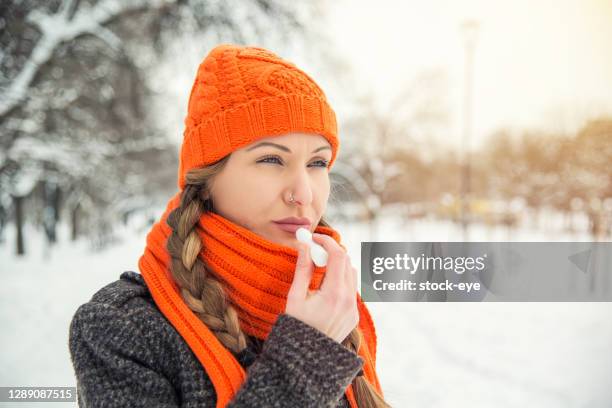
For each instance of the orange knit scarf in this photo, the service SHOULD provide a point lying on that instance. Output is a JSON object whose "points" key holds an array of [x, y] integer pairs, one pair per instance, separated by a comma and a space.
{"points": [[257, 275]]}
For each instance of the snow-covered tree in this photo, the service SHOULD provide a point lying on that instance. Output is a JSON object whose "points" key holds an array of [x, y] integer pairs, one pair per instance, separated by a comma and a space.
{"points": [[75, 98]]}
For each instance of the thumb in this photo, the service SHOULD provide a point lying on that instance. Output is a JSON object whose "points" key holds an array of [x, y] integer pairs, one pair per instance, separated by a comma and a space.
{"points": [[303, 272]]}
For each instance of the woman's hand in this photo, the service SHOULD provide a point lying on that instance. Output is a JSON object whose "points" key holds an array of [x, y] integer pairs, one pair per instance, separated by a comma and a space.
{"points": [[333, 308]]}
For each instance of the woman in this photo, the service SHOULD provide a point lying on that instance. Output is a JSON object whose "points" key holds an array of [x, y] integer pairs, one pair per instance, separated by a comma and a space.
{"points": [[229, 310]]}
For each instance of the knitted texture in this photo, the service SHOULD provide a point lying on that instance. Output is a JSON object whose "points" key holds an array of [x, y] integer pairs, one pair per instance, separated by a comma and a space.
{"points": [[126, 354], [257, 274], [242, 94]]}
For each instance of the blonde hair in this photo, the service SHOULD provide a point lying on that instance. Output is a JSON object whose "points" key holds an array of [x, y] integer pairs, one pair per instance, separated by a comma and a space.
{"points": [[205, 295]]}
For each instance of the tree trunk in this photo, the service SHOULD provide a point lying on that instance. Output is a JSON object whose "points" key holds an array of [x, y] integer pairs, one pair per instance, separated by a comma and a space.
{"points": [[50, 210], [3, 221], [74, 218], [57, 201], [18, 203]]}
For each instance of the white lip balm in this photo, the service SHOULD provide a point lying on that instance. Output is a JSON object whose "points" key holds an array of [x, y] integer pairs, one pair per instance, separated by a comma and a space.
{"points": [[317, 253]]}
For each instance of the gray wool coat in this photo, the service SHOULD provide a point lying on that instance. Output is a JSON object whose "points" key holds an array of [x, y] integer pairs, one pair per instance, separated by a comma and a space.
{"points": [[125, 353]]}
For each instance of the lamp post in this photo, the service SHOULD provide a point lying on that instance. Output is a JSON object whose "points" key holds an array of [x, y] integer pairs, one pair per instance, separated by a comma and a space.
{"points": [[469, 31]]}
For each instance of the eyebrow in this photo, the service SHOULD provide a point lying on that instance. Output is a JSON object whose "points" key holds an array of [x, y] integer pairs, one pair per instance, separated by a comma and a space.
{"points": [[283, 148]]}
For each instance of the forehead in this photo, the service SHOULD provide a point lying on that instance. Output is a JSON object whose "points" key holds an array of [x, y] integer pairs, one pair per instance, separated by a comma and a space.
{"points": [[296, 137], [292, 140]]}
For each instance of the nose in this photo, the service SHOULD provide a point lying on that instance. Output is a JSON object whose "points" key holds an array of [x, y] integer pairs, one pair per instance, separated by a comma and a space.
{"points": [[301, 187]]}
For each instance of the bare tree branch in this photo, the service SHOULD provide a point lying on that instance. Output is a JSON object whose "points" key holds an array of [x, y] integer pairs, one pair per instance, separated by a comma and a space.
{"points": [[62, 26]]}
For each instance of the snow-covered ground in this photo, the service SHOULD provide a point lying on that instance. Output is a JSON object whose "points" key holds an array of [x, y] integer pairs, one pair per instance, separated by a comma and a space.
{"points": [[429, 354]]}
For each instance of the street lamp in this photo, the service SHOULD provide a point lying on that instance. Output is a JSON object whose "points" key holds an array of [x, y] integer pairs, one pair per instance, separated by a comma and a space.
{"points": [[469, 30]]}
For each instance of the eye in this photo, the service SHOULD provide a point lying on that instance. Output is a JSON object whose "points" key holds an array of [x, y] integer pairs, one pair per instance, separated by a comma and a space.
{"points": [[264, 160], [276, 159], [324, 163]]}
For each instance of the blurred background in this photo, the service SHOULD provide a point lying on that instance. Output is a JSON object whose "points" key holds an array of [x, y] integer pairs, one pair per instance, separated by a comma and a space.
{"points": [[458, 120]]}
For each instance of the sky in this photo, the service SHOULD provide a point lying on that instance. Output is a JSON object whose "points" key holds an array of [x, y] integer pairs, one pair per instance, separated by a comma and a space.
{"points": [[537, 64]]}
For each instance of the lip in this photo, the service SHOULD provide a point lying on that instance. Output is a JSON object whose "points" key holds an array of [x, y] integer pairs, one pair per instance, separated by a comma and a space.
{"points": [[294, 220], [291, 224], [290, 227]]}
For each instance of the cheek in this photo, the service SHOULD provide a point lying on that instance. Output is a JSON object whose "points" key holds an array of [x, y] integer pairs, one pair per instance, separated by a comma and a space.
{"points": [[249, 194], [321, 191], [258, 188]]}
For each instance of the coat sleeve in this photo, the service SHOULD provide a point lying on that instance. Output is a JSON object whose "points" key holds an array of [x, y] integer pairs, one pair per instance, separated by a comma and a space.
{"points": [[112, 364], [299, 366]]}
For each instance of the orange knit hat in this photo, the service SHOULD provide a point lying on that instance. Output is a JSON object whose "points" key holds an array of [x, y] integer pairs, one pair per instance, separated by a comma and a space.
{"points": [[244, 93]]}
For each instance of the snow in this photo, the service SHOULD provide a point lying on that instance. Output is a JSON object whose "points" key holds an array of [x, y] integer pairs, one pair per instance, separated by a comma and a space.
{"points": [[429, 354]]}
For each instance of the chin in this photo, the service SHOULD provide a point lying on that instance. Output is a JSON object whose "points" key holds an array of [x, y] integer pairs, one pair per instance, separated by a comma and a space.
{"points": [[287, 240], [292, 243], [278, 237]]}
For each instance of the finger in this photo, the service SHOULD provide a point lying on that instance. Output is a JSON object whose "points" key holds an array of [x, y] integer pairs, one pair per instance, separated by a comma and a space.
{"points": [[303, 273], [353, 277], [334, 275], [327, 242], [353, 280], [348, 279]]}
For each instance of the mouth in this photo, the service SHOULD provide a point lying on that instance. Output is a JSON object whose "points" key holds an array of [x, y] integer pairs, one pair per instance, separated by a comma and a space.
{"points": [[289, 227]]}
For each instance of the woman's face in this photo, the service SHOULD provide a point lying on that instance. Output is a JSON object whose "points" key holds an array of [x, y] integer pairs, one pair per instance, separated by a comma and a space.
{"points": [[254, 187]]}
